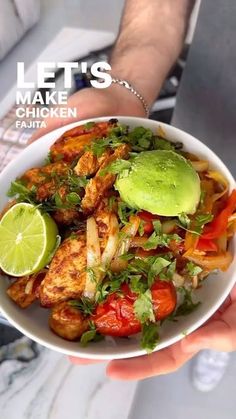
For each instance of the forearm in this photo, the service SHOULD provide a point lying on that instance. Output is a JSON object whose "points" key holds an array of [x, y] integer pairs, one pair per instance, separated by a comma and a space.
{"points": [[150, 39]]}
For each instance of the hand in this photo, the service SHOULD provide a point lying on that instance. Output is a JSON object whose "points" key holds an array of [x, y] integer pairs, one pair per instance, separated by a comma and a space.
{"points": [[91, 103], [218, 333]]}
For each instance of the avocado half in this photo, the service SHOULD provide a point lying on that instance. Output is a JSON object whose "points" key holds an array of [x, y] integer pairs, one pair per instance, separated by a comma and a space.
{"points": [[161, 182]]}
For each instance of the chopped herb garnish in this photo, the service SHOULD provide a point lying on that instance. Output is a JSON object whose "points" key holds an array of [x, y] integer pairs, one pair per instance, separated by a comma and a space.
{"points": [[89, 125], [184, 220], [48, 159], [91, 335], [116, 167], [201, 220], [73, 198], [143, 307], [141, 228], [163, 240], [124, 212], [150, 336], [193, 269], [156, 268], [157, 226], [137, 285], [23, 194], [84, 304]]}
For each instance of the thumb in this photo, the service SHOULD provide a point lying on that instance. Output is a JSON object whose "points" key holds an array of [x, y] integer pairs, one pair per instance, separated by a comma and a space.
{"points": [[51, 124]]}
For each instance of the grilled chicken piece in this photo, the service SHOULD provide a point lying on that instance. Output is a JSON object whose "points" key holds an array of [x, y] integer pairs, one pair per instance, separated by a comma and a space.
{"points": [[66, 275], [66, 217], [99, 185], [67, 321], [44, 178], [89, 164], [18, 290], [71, 144]]}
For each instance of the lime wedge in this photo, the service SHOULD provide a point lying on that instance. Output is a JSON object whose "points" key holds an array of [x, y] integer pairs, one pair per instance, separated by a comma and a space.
{"points": [[27, 240]]}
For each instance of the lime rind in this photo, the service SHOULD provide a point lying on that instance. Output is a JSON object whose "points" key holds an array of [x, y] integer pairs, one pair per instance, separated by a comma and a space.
{"points": [[27, 240]]}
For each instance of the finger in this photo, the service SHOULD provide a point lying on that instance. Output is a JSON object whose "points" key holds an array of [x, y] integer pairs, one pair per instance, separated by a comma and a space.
{"points": [[216, 335], [157, 363], [51, 124], [233, 294], [84, 361]]}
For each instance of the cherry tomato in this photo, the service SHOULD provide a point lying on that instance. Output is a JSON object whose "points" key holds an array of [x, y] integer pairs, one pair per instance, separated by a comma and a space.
{"points": [[148, 218], [206, 245], [116, 317], [164, 298]]}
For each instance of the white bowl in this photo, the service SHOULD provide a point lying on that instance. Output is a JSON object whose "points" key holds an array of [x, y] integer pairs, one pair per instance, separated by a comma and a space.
{"points": [[33, 322]]}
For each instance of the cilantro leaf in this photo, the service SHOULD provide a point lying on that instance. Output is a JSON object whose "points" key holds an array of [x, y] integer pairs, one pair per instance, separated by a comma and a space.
{"points": [[150, 336], [193, 269], [73, 198], [158, 265], [124, 212], [89, 125], [137, 285], [184, 220], [164, 240], [90, 336], [143, 307], [116, 167], [84, 304], [157, 226]]}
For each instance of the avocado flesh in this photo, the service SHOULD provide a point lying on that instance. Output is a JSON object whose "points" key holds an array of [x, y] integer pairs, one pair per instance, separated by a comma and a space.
{"points": [[161, 182]]}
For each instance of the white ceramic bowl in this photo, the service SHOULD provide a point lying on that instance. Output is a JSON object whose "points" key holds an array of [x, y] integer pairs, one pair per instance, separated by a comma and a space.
{"points": [[33, 322]]}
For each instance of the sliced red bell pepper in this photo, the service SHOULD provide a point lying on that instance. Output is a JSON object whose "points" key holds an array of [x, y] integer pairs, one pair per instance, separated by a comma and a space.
{"points": [[206, 245], [218, 226]]}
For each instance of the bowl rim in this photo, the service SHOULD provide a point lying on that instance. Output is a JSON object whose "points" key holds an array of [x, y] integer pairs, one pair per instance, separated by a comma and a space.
{"points": [[127, 353]]}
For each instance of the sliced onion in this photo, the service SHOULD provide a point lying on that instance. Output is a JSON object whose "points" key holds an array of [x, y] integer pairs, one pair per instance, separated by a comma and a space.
{"points": [[29, 286], [138, 241], [222, 243], [178, 279], [220, 179], [129, 231], [200, 165], [195, 281], [221, 261], [112, 242], [93, 258], [232, 218]]}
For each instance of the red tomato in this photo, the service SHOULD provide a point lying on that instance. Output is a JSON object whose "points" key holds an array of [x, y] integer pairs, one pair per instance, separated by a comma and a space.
{"points": [[116, 317], [206, 245], [164, 298], [147, 217], [218, 226]]}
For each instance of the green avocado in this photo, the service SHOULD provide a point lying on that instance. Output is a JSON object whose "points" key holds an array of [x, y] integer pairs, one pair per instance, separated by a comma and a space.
{"points": [[161, 182]]}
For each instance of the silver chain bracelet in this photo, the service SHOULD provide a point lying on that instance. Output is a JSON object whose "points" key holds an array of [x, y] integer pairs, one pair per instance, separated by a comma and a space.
{"points": [[128, 86]]}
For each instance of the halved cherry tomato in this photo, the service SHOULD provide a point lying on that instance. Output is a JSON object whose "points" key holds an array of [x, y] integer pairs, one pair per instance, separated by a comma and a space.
{"points": [[218, 226], [116, 317], [148, 218], [164, 298], [206, 245]]}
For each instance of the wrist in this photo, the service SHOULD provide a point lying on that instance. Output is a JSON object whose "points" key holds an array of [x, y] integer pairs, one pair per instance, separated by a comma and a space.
{"points": [[124, 102]]}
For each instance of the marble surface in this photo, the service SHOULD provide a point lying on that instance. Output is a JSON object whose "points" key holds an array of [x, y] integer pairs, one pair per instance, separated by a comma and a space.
{"points": [[36, 383]]}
